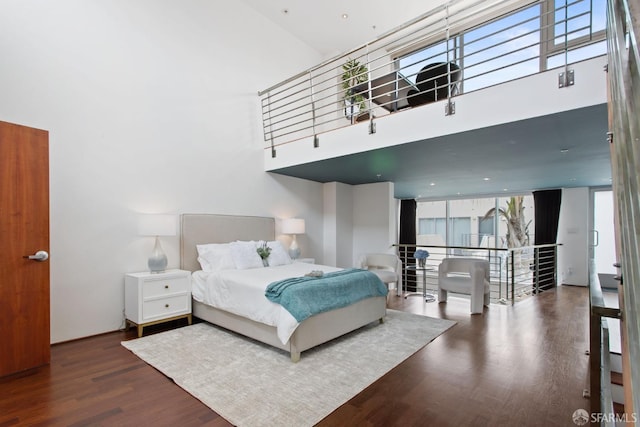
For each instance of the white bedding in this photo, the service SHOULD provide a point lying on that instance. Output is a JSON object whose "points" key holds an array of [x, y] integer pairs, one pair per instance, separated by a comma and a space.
{"points": [[242, 292]]}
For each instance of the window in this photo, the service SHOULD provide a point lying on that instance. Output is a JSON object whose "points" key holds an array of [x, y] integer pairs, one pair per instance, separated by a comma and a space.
{"points": [[486, 230], [522, 43], [575, 21], [466, 223], [410, 65], [502, 50]]}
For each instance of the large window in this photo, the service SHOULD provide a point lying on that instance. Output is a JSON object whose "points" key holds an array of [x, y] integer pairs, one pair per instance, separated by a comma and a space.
{"points": [[481, 222], [459, 229], [486, 231], [522, 43], [502, 50], [410, 65]]}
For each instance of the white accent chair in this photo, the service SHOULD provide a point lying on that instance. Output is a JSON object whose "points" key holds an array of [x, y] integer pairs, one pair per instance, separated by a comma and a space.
{"points": [[468, 276], [387, 267]]}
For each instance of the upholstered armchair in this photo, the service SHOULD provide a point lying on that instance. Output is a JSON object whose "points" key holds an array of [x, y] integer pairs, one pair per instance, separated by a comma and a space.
{"points": [[468, 276], [387, 267], [433, 83]]}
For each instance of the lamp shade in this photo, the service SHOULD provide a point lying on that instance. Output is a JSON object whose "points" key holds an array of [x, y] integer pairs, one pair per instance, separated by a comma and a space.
{"points": [[293, 226], [157, 225]]}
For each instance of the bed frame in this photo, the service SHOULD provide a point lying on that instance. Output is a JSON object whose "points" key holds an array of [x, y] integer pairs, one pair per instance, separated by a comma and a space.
{"points": [[207, 228]]}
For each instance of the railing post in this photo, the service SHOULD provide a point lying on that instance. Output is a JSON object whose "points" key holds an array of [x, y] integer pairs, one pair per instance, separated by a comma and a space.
{"points": [[513, 278], [369, 94], [273, 148], [536, 260], [555, 265], [595, 360], [313, 106]]}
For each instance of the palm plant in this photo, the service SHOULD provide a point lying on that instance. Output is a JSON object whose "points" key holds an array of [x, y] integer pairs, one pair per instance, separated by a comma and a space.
{"points": [[513, 215], [353, 74]]}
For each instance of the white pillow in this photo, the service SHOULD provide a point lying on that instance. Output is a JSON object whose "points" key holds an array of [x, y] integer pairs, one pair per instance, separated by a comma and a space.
{"points": [[245, 255], [215, 257], [278, 255]]}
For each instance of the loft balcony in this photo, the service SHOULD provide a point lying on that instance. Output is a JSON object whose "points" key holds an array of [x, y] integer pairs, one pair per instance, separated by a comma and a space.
{"points": [[449, 91]]}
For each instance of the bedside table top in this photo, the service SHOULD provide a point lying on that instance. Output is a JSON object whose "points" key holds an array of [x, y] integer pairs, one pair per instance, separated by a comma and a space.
{"points": [[166, 273]]}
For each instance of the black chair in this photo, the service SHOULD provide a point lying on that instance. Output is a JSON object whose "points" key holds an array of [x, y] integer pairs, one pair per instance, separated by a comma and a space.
{"points": [[432, 83]]}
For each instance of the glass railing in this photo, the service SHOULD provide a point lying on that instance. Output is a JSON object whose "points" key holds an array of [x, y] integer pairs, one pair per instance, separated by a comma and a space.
{"points": [[436, 57]]}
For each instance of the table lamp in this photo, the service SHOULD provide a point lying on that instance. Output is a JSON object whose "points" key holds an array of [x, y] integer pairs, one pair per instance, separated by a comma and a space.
{"points": [[293, 226], [157, 225]]}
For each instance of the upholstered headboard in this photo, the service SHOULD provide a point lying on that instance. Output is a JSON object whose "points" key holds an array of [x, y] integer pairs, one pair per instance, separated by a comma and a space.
{"points": [[199, 229]]}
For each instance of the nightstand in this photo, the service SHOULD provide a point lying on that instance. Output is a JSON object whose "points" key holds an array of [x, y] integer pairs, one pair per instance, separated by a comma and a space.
{"points": [[306, 260], [151, 298]]}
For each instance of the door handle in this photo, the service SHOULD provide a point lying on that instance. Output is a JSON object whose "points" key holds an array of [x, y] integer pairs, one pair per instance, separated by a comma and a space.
{"points": [[39, 256]]}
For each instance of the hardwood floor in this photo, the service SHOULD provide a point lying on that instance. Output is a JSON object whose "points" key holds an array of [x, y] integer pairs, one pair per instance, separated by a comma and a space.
{"points": [[521, 365]]}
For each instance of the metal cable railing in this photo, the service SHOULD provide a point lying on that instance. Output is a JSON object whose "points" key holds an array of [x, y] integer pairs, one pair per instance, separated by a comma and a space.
{"points": [[515, 273], [437, 56]]}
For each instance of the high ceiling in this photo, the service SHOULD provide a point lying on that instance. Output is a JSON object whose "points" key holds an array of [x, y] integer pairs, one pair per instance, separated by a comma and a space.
{"points": [[321, 25], [520, 156]]}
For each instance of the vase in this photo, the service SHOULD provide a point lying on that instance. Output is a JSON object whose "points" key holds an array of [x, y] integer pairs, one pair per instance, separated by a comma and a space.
{"points": [[422, 262]]}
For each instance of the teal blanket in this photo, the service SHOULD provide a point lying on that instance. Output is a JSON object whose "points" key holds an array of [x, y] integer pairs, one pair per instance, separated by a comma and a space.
{"points": [[305, 296]]}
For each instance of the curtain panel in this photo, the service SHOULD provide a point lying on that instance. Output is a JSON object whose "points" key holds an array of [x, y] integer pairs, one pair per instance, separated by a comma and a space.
{"points": [[408, 237]]}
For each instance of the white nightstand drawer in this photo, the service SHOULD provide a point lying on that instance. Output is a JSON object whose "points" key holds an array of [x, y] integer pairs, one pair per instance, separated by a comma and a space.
{"points": [[166, 307], [161, 287]]}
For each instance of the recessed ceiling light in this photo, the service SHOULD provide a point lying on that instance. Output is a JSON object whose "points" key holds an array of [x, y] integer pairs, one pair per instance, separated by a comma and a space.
{"points": [[564, 150], [432, 184], [572, 179], [345, 16], [487, 179], [505, 189]]}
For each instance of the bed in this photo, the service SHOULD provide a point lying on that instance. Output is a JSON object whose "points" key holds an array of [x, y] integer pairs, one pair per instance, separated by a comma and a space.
{"points": [[200, 229]]}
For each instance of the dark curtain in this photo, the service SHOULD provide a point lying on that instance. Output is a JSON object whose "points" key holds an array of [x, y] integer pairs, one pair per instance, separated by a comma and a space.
{"points": [[408, 237], [547, 212]]}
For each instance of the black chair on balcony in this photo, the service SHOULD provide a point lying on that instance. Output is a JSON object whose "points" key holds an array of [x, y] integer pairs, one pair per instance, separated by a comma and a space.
{"points": [[433, 84]]}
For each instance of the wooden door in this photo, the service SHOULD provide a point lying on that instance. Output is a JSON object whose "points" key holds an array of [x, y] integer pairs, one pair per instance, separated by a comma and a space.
{"points": [[24, 230]]}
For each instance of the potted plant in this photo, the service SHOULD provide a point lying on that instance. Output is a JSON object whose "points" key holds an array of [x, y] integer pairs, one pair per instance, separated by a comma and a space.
{"points": [[353, 74]]}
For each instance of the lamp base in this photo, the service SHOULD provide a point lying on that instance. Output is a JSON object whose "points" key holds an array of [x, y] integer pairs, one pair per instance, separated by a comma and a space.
{"points": [[158, 260], [294, 249]]}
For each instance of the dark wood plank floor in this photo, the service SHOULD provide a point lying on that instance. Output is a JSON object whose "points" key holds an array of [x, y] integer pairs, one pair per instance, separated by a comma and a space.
{"points": [[522, 365]]}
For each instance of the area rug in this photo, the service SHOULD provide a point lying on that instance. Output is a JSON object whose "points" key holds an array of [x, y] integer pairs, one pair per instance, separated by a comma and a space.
{"points": [[251, 384]]}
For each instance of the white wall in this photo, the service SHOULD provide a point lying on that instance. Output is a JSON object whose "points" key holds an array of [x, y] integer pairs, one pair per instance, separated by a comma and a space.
{"points": [[374, 219], [573, 234], [338, 224], [152, 106], [358, 219]]}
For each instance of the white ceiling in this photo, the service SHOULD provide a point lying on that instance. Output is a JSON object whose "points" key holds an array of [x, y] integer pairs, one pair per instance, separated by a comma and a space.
{"points": [[320, 24]]}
